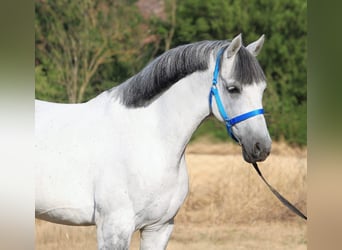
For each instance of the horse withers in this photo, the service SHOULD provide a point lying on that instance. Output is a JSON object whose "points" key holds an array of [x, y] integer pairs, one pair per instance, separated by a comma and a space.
{"points": [[117, 161]]}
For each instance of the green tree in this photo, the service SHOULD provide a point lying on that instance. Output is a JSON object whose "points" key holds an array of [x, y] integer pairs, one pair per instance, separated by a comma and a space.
{"points": [[283, 57], [74, 38]]}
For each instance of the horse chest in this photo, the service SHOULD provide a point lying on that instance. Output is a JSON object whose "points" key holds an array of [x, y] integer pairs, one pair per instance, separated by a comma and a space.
{"points": [[160, 199]]}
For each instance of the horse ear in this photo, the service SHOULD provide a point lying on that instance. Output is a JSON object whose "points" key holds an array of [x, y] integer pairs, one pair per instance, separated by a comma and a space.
{"points": [[234, 46], [255, 47]]}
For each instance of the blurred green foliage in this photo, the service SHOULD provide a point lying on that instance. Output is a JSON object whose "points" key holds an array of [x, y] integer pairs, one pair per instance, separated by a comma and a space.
{"points": [[283, 57]]}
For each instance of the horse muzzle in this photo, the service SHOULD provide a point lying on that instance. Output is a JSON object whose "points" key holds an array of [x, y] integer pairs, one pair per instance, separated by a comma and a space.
{"points": [[258, 151]]}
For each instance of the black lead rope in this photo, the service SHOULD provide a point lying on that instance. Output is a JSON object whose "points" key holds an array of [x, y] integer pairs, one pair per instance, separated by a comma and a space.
{"points": [[230, 122], [279, 196]]}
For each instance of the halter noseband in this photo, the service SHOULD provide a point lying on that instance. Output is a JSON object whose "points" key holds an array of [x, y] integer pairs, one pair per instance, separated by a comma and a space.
{"points": [[231, 122], [214, 92]]}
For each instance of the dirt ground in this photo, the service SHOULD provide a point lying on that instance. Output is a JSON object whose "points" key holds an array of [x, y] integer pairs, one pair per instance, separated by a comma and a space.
{"points": [[228, 206]]}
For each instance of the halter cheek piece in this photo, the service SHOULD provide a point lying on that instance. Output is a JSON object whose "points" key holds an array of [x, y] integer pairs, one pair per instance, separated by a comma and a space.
{"points": [[214, 92], [231, 122]]}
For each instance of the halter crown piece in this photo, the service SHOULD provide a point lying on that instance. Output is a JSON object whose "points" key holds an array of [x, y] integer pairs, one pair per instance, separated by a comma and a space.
{"points": [[231, 122], [214, 92]]}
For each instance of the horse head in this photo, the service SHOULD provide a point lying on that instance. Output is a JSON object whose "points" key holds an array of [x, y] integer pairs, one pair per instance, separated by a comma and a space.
{"points": [[241, 84]]}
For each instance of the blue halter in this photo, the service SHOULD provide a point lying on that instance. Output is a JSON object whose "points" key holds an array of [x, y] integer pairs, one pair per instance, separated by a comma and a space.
{"points": [[214, 92]]}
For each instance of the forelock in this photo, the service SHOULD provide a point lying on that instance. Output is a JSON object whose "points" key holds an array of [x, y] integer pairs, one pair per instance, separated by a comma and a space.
{"points": [[246, 68]]}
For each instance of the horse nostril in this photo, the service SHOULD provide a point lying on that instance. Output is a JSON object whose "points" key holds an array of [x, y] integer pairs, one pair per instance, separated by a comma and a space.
{"points": [[257, 148], [260, 151]]}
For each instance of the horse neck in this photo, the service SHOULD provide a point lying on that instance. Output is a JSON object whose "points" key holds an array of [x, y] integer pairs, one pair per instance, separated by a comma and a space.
{"points": [[182, 108]]}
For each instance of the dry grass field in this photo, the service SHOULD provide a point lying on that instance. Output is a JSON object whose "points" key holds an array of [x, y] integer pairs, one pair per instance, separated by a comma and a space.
{"points": [[228, 206]]}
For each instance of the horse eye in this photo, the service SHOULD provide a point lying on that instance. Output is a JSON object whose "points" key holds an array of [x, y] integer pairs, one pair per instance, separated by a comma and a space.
{"points": [[233, 90]]}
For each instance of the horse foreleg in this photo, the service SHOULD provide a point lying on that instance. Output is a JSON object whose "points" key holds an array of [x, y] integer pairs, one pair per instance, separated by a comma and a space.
{"points": [[156, 237], [114, 232]]}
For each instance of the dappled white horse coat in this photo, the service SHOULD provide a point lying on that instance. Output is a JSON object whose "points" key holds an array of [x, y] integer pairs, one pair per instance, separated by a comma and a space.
{"points": [[117, 161]]}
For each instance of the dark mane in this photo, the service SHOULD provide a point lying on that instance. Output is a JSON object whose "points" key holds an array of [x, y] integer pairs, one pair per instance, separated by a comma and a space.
{"points": [[179, 62]]}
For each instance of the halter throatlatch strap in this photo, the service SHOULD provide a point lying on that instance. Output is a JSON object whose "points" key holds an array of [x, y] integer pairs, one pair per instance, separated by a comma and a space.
{"points": [[231, 122], [214, 92]]}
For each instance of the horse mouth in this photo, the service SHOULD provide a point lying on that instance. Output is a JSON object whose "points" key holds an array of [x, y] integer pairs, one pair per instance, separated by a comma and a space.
{"points": [[253, 157], [246, 156]]}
